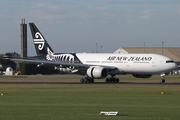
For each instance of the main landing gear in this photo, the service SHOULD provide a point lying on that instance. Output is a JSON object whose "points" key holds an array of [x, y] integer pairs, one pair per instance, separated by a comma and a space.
{"points": [[87, 80], [112, 79]]}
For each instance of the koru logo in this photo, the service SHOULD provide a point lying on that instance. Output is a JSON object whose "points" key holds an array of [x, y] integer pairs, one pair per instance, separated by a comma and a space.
{"points": [[39, 40]]}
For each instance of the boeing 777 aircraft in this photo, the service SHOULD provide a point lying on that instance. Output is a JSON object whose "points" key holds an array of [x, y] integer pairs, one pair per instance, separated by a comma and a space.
{"points": [[99, 65]]}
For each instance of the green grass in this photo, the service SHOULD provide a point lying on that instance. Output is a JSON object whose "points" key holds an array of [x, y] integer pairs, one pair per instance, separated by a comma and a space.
{"points": [[85, 102]]}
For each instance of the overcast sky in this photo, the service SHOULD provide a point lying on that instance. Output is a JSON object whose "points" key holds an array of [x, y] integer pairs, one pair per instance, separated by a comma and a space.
{"points": [[77, 25]]}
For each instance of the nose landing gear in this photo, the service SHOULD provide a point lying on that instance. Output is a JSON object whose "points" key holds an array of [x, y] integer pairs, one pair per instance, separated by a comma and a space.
{"points": [[163, 78]]}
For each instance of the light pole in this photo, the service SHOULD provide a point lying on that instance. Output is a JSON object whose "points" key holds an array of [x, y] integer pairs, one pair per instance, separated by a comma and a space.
{"points": [[96, 48], [101, 49], [144, 47], [162, 47]]}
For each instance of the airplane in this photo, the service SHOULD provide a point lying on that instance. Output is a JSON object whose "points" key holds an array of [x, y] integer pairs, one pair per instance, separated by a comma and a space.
{"points": [[98, 65]]}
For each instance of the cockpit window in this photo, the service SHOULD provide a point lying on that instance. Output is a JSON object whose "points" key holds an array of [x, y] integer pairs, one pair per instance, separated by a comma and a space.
{"points": [[170, 61]]}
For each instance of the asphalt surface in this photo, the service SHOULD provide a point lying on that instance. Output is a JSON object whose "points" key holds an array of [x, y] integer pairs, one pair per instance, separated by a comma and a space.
{"points": [[78, 83], [95, 83]]}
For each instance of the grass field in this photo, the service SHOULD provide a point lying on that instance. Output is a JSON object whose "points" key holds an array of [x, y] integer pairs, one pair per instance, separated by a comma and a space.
{"points": [[85, 102]]}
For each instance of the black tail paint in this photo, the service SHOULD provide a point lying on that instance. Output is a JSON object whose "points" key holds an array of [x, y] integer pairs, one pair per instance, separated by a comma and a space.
{"points": [[40, 43]]}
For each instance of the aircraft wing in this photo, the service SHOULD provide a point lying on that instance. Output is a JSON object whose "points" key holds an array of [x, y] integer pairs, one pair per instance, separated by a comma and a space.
{"points": [[50, 62], [37, 61]]}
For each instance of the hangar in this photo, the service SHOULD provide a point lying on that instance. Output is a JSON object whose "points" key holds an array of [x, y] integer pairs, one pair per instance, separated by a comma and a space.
{"points": [[173, 53]]}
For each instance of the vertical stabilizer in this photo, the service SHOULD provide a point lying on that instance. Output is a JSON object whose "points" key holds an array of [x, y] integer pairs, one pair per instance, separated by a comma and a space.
{"points": [[41, 45]]}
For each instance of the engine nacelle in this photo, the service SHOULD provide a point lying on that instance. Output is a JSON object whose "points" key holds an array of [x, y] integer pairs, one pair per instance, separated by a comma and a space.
{"points": [[142, 75], [97, 72]]}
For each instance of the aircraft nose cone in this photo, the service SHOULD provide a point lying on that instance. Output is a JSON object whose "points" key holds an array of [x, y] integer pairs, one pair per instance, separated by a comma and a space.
{"points": [[175, 65]]}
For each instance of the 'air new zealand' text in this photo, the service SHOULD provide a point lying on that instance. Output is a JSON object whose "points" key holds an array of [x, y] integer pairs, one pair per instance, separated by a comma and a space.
{"points": [[114, 58]]}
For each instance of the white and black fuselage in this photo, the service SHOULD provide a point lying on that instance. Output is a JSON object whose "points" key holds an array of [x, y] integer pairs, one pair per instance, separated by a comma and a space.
{"points": [[124, 63]]}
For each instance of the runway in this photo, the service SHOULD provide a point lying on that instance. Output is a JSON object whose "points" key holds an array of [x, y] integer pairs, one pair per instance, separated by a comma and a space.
{"points": [[78, 83], [77, 76], [95, 83]]}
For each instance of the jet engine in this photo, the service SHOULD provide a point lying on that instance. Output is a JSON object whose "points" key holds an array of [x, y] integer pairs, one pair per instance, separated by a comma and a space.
{"points": [[97, 72], [142, 75]]}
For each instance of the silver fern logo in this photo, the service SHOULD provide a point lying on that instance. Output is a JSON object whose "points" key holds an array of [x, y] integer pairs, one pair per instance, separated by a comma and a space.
{"points": [[60, 57], [39, 40]]}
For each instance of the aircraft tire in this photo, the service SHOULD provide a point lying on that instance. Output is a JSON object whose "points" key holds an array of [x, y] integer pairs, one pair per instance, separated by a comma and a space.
{"points": [[88, 81], [110, 81], [114, 80], [117, 80], [107, 80], [82, 80], [92, 81], [162, 81]]}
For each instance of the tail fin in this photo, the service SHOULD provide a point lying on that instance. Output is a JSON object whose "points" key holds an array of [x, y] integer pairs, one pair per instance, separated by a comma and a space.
{"points": [[41, 45]]}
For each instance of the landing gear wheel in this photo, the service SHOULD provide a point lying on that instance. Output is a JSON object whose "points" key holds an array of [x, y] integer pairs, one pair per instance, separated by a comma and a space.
{"points": [[117, 80], [92, 81], [107, 80], [82, 80], [114, 80], [88, 81], [162, 81]]}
